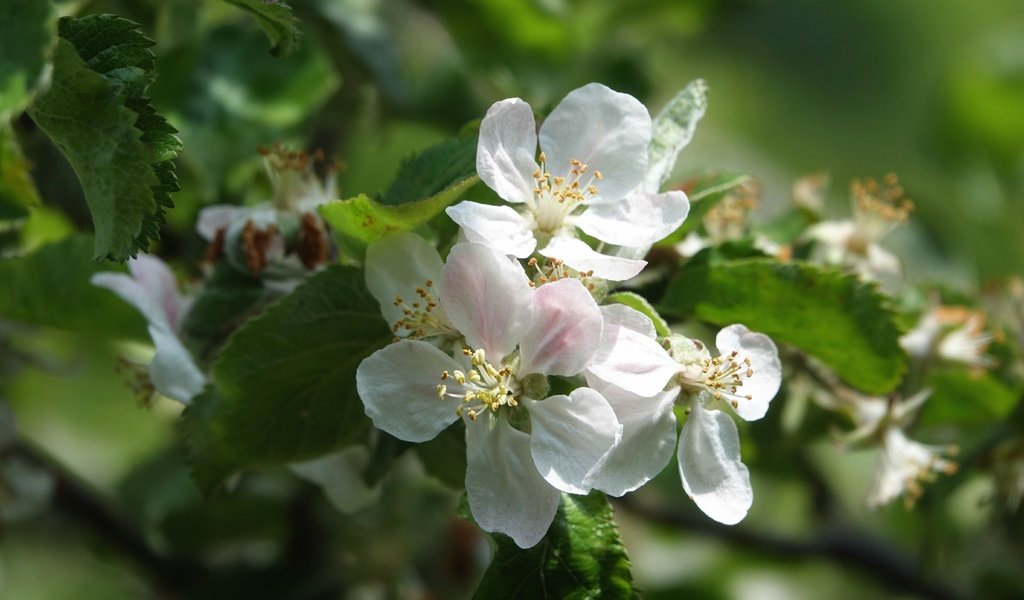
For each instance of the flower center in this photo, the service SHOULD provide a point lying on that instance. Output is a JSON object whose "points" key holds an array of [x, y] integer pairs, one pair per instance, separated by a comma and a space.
{"points": [[721, 375], [555, 197], [487, 387], [423, 317], [879, 208]]}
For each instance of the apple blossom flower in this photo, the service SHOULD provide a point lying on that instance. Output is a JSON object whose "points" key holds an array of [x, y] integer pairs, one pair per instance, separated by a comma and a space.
{"points": [[951, 333], [642, 382], [151, 288], [280, 240], [903, 464], [523, 447], [590, 175], [853, 243]]}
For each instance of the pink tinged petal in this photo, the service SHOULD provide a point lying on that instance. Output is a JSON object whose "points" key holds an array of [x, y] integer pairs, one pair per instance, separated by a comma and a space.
{"points": [[506, 150], [764, 382], [640, 219], [648, 439], [632, 361], [487, 297], [340, 475], [173, 372], [606, 130], [151, 289], [398, 386], [630, 318], [710, 466], [214, 218], [395, 266], [499, 227], [565, 331], [583, 258], [506, 493], [570, 435]]}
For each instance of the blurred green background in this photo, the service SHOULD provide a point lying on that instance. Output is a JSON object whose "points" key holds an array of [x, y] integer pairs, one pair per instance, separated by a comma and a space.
{"points": [[932, 91]]}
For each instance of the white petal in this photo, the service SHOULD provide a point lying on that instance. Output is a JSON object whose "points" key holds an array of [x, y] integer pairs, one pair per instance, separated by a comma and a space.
{"points": [[340, 474], [639, 219], [499, 227], [606, 130], [710, 466], [398, 264], [173, 372], [506, 150], [632, 361], [583, 258], [398, 385], [648, 439], [881, 263], [506, 493], [630, 318], [764, 383], [214, 218], [487, 297], [565, 331], [570, 435], [151, 289]]}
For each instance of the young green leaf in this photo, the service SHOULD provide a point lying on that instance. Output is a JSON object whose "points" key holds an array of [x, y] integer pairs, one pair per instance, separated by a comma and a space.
{"points": [[844, 322], [17, 190], [639, 303], [284, 385], [27, 36], [705, 193], [277, 20], [50, 287], [673, 129], [434, 171], [580, 557], [120, 148]]}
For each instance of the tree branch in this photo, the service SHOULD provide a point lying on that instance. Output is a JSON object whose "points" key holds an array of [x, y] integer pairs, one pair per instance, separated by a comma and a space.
{"points": [[844, 546]]}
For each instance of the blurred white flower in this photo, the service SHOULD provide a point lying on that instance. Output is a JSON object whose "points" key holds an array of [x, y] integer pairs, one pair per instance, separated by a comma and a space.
{"points": [[951, 333]]}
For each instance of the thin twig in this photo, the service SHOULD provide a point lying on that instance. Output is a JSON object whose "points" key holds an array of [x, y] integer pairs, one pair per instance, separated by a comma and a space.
{"points": [[844, 546]]}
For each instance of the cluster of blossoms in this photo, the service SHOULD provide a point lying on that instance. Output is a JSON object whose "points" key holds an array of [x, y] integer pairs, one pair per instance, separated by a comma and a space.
{"points": [[480, 340]]}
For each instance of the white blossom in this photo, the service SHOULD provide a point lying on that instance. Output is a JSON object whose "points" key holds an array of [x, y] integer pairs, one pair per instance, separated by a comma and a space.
{"points": [[951, 333], [589, 175], [523, 446]]}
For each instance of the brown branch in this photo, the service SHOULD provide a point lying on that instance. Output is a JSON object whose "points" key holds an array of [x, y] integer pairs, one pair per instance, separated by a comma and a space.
{"points": [[842, 545]]}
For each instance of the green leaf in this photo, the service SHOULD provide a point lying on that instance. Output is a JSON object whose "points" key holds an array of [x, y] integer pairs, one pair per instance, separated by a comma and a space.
{"points": [[284, 385], [277, 20], [434, 171], [17, 190], [844, 322], [120, 148], [673, 129], [51, 287], [27, 36], [580, 557], [705, 193], [444, 457], [227, 298], [967, 398], [639, 303]]}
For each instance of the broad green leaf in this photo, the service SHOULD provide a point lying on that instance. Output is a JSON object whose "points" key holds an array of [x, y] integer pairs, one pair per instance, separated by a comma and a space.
{"points": [[50, 287], [673, 129], [705, 193], [639, 303], [580, 557], [840, 320], [284, 385], [17, 190], [27, 35], [277, 20], [444, 457], [364, 219], [433, 171], [967, 398], [120, 148], [227, 299]]}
